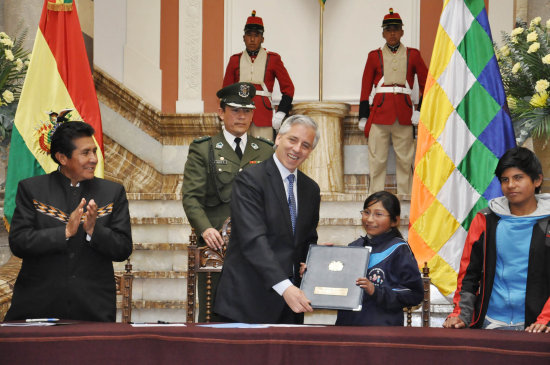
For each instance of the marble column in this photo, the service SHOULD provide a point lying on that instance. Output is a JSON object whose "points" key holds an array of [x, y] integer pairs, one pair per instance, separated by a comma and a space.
{"points": [[325, 165]]}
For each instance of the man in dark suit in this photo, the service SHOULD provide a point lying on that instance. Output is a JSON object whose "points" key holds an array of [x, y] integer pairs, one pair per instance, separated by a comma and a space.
{"points": [[68, 227], [274, 213], [211, 167]]}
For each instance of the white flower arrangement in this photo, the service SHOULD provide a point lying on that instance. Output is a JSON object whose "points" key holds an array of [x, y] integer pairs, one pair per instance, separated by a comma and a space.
{"points": [[524, 62], [14, 62]]}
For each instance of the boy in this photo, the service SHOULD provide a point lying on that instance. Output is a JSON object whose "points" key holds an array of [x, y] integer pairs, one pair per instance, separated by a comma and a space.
{"points": [[504, 278]]}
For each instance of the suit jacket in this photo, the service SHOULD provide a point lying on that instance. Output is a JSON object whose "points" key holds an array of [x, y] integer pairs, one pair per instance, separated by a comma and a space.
{"points": [[275, 69], [387, 107], [209, 172], [262, 249], [74, 278]]}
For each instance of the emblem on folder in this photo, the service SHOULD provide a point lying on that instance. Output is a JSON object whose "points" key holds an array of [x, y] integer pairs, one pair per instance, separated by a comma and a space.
{"points": [[336, 266]]}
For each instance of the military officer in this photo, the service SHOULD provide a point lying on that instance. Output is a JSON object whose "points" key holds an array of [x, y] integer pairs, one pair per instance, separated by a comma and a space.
{"points": [[212, 165]]}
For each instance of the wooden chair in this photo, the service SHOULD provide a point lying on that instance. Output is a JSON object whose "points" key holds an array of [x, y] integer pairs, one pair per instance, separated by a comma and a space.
{"points": [[425, 302], [206, 260], [124, 283], [8, 275]]}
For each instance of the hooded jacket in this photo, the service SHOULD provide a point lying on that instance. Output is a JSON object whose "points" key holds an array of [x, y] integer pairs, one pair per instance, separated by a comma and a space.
{"points": [[478, 263]]}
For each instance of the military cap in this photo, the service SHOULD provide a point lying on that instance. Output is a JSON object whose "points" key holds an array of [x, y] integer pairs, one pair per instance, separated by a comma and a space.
{"points": [[391, 19], [238, 95], [254, 23]]}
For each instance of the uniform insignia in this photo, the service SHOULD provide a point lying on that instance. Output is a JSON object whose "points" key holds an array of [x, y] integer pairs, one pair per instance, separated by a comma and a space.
{"points": [[219, 145], [244, 91], [64, 217], [254, 146], [268, 141], [254, 162], [220, 162], [201, 139], [377, 276]]}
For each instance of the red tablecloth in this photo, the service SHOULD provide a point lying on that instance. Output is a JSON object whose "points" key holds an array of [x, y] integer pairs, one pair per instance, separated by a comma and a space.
{"points": [[115, 343]]}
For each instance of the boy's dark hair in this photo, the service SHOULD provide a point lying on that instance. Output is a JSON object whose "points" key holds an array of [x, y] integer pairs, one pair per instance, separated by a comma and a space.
{"points": [[390, 203], [523, 159], [65, 134]]}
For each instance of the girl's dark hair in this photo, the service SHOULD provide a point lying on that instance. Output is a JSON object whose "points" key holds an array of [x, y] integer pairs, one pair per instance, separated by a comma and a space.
{"points": [[390, 203], [522, 159]]}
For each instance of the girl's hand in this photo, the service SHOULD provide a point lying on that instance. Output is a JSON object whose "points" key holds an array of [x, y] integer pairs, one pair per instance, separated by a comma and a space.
{"points": [[303, 268], [366, 284]]}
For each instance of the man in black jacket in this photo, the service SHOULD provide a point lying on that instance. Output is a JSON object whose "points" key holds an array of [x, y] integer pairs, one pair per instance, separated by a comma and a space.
{"points": [[68, 227]]}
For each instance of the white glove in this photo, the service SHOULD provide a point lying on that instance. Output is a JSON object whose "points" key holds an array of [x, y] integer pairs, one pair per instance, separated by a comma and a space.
{"points": [[362, 123], [277, 120], [415, 118]]}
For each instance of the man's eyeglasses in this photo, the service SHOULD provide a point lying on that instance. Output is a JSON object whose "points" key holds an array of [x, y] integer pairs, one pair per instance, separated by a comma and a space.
{"points": [[376, 215]]}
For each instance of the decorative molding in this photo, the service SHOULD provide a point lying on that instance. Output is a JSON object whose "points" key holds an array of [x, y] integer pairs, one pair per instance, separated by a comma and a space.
{"points": [[134, 174], [168, 129], [190, 57]]}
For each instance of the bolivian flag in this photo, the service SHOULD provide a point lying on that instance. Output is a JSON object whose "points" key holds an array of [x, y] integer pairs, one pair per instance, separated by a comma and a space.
{"points": [[464, 129], [58, 79]]}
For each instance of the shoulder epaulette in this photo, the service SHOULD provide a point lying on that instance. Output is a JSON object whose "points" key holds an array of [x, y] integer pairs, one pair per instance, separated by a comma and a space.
{"points": [[265, 140], [201, 139]]}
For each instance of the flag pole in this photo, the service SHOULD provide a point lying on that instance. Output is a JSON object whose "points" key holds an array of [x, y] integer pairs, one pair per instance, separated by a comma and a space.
{"points": [[321, 8]]}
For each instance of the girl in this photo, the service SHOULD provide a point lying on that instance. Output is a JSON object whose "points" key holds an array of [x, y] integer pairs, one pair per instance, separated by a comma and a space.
{"points": [[393, 280]]}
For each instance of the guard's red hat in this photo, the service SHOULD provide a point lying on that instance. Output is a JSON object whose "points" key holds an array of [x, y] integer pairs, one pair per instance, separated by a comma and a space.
{"points": [[392, 19], [254, 23]]}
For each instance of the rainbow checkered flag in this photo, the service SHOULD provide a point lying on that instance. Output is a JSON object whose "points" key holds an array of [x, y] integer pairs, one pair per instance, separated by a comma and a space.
{"points": [[58, 80], [464, 129]]}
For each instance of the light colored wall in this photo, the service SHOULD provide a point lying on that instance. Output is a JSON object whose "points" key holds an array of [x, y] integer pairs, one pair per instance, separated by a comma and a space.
{"points": [[501, 18], [19, 15], [142, 72], [86, 15], [110, 36]]}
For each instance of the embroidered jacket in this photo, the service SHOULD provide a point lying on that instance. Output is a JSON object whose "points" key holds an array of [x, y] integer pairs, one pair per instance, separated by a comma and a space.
{"points": [[74, 278]]}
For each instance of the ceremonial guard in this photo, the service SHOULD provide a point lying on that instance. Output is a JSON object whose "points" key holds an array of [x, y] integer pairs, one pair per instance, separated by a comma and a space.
{"points": [[390, 70], [261, 68], [212, 165]]}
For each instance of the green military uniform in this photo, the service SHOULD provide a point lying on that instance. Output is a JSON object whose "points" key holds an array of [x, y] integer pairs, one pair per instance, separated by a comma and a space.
{"points": [[211, 167]]}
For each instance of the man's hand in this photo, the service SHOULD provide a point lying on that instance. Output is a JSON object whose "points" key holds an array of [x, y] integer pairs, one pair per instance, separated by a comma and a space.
{"points": [[454, 322], [538, 327], [297, 300], [212, 238], [90, 217], [365, 284], [277, 120], [74, 220]]}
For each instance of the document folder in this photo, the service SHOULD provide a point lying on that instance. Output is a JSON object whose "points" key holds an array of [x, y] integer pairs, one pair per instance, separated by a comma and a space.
{"points": [[329, 281]]}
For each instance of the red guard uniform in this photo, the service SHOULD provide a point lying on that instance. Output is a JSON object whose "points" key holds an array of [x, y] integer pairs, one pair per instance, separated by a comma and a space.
{"points": [[273, 68], [387, 107]]}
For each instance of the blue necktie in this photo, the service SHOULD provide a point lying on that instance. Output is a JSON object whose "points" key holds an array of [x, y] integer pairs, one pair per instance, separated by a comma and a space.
{"points": [[292, 201]]}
